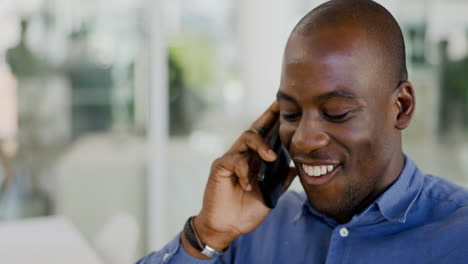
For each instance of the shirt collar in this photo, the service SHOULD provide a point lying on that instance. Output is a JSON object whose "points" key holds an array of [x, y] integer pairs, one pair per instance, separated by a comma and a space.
{"points": [[394, 204], [308, 208]]}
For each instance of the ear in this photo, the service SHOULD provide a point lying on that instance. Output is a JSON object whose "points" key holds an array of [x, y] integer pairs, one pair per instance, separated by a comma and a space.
{"points": [[405, 104]]}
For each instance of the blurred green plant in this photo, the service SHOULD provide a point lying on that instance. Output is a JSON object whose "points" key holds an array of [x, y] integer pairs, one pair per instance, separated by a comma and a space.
{"points": [[176, 77], [194, 55], [454, 91], [457, 82], [191, 60], [22, 60], [183, 103]]}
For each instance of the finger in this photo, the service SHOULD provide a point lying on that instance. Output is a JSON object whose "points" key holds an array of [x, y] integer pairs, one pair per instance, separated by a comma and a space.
{"points": [[267, 119], [234, 165], [254, 141], [241, 170], [291, 176]]}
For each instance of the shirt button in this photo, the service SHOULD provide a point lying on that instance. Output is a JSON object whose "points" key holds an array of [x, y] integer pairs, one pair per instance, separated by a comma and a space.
{"points": [[344, 232]]}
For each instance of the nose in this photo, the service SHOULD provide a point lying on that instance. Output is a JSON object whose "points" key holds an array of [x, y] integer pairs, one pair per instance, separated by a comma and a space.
{"points": [[309, 137]]}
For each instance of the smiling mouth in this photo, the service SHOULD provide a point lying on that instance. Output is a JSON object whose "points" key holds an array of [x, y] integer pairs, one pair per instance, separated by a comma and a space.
{"points": [[317, 171], [318, 174]]}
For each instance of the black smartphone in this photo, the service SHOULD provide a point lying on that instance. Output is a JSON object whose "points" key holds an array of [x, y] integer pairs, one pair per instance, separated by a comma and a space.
{"points": [[272, 175]]}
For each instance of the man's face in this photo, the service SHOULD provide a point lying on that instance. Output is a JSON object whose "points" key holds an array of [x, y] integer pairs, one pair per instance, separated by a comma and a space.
{"points": [[337, 119]]}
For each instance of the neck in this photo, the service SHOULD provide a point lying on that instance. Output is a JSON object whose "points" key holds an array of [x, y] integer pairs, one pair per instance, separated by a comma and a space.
{"points": [[392, 171]]}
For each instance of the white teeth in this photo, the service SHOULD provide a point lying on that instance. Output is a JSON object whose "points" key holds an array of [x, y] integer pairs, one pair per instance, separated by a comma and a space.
{"points": [[306, 169], [323, 169], [316, 171]]}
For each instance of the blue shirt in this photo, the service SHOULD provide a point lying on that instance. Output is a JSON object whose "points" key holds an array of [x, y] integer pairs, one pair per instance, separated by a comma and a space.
{"points": [[419, 219]]}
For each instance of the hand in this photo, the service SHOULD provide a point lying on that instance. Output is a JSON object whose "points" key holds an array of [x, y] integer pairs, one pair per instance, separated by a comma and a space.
{"points": [[233, 204]]}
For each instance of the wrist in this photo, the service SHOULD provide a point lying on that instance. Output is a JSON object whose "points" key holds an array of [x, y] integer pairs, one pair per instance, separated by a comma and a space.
{"points": [[190, 249], [214, 239]]}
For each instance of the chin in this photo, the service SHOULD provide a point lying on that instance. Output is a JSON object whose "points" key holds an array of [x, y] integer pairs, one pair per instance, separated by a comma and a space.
{"points": [[336, 204]]}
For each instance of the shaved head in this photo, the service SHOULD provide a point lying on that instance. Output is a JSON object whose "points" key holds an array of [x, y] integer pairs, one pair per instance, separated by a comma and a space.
{"points": [[379, 25]]}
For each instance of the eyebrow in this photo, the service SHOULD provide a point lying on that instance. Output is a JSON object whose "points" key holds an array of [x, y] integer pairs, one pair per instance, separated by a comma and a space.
{"points": [[332, 94]]}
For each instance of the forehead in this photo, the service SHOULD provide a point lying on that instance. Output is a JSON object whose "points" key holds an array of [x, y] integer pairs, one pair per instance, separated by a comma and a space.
{"points": [[337, 59]]}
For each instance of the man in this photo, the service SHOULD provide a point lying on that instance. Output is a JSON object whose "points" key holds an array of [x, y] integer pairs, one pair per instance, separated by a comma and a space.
{"points": [[343, 100]]}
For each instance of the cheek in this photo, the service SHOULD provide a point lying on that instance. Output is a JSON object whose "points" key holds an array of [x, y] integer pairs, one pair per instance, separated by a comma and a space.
{"points": [[367, 141], [359, 137], [357, 131]]}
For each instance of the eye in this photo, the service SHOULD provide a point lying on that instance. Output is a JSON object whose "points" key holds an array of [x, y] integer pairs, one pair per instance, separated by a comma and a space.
{"points": [[291, 117], [335, 118]]}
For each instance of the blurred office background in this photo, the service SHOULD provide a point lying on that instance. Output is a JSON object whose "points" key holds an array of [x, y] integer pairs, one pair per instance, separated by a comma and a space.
{"points": [[111, 112]]}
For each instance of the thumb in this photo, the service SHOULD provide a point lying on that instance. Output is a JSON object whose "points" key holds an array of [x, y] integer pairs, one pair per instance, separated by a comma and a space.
{"points": [[291, 176]]}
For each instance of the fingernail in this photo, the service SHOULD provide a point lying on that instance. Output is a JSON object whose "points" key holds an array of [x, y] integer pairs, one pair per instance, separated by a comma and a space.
{"points": [[249, 187], [271, 153]]}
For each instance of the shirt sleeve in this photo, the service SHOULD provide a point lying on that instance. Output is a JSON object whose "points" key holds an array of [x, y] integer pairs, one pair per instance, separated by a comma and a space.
{"points": [[174, 253]]}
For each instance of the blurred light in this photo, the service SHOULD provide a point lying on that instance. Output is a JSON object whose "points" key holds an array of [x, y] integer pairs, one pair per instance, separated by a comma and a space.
{"points": [[445, 21], [7, 7], [458, 43], [120, 4], [233, 92], [10, 28], [104, 48], [206, 142], [28, 7]]}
